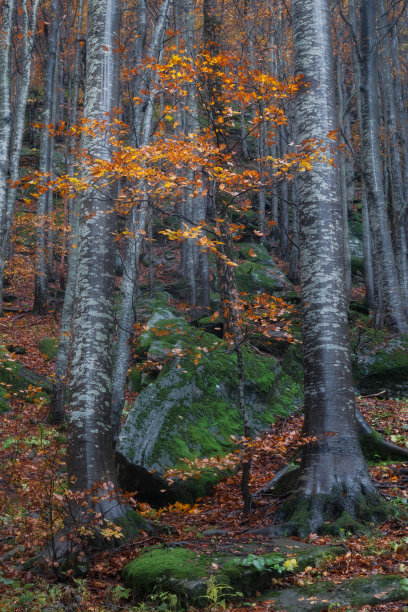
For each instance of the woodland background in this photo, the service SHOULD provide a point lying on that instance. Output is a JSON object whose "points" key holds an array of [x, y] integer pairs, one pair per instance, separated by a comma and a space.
{"points": [[203, 234]]}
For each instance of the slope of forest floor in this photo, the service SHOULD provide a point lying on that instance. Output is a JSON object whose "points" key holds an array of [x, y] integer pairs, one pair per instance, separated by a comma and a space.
{"points": [[32, 485]]}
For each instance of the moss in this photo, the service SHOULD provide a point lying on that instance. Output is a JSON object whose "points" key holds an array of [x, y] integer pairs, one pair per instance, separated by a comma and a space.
{"points": [[4, 403], [357, 266], [326, 514], [48, 347], [200, 487], [344, 524], [258, 251], [375, 451], [157, 566], [16, 380], [364, 591], [252, 277], [191, 410], [187, 573], [132, 523]]}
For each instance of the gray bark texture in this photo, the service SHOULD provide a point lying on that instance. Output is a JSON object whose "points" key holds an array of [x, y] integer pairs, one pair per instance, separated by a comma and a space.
{"points": [[392, 303], [90, 453], [136, 225], [41, 292], [333, 474], [6, 16], [57, 408]]}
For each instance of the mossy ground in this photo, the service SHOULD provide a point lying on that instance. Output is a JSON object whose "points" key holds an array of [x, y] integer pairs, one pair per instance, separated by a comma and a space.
{"points": [[16, 381], [188, 573], [48, 347], [351, 594]]}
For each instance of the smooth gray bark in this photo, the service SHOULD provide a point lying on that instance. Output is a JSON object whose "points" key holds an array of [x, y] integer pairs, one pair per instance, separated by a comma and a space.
{"points": [[137, 220], [41, 291], [29, 24], [394, 312], [6, 16], [333, 474], [57, 407], [343, 176], [89, 452], [395, 166]]}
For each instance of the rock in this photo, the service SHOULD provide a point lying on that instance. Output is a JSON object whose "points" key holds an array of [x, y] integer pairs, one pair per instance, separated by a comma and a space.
{"points": [[368, 590], [381, 364], [210, 533], [48, 347], [8, 298], [259, 274], [240, 567], [191, 409], [17, 350], [16, 379]]}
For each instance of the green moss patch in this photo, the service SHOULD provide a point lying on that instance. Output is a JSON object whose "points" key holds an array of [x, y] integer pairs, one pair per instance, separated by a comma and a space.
{"points": [[191, 410], [48, 347], [16, 380], [381, 363], [370, 590], [259, 273], [245, 568]]}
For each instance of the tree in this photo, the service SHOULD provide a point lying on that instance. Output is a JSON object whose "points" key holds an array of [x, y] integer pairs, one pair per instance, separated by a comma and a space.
{"points": [[44, 203], [90, 454], [391, 301], [7, 14], [333, 479]]}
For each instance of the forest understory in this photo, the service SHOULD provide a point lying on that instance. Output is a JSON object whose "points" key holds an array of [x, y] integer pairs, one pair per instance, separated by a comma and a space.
{"points": [[203, 305], [33, 484]]}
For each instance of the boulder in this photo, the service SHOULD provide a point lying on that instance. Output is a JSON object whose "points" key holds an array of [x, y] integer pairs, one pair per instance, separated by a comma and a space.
{"points": [[350, 594], [259, 273], [17, 380], [237, 570], [190, 409], [381, 364]]}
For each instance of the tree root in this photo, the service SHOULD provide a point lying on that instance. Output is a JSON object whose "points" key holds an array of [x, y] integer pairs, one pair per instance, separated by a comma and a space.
{"points": [[333, 514], [373, 444]]}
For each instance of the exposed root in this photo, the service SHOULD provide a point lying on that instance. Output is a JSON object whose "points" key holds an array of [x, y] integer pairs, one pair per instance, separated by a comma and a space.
{"points": [[373, 444], [334, 514]]}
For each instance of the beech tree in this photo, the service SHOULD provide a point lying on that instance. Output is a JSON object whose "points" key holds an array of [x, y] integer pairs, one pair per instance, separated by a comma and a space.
{"points": [[333, 478], [90, 453], [389, 287]]}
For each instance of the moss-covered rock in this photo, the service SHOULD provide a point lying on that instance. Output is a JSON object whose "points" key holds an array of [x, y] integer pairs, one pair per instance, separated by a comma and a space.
{"points": [[191, 409], [17, 380], [259, 273], [369, 590], [48, 347], [245, 568], [381, 363]]}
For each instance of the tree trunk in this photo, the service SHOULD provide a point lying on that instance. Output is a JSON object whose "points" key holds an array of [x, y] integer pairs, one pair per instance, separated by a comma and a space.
{"points": [[334, 480], [57, 407], [7, 16], [89, 453], [395, 168], [41, 292], [23, 85], [136, 225], [371, 157]]}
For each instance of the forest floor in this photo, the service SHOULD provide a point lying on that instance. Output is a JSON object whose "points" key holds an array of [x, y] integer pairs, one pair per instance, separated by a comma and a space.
{"points": [[32, 485]]}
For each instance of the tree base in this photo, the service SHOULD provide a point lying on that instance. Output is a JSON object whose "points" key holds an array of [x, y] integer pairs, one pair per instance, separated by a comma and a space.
{"points": [[327, 515]]}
